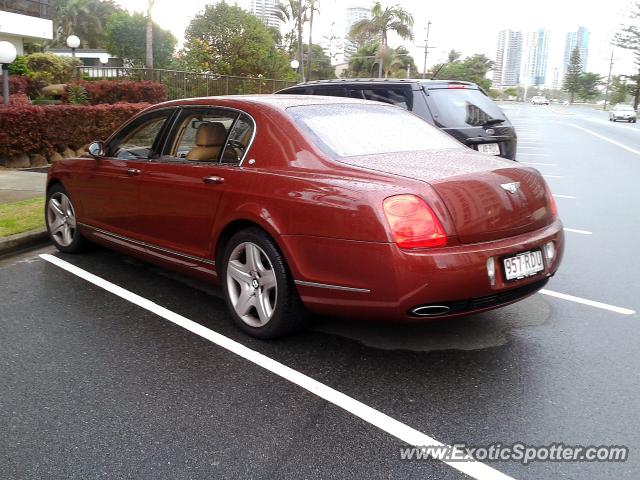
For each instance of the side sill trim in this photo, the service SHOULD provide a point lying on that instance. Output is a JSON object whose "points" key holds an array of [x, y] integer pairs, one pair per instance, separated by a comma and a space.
{"points": [[147, 245], [332, 287]]}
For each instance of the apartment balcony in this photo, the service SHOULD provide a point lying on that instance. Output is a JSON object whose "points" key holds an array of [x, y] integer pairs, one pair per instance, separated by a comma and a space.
{"points": [[22, 20], [31, 8]]}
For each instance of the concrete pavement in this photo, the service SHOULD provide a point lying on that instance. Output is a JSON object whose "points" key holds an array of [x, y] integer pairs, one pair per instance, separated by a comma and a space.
{"points": [[18, 185]]}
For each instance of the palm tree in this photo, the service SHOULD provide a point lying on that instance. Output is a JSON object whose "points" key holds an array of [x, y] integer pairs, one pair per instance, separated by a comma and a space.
{"points": [[84, 18], [149, 50], [294, 14], [390, 19], [312, 6]]}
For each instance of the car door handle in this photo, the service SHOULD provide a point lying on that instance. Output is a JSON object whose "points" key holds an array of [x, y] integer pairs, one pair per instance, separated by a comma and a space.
{"points": [[213, 180], [132, 171]]}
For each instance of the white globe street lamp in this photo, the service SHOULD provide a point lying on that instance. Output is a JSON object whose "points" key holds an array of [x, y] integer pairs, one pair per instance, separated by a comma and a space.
{"points": [[104, 58], [73, 42], [7, 55], [295, 64]]}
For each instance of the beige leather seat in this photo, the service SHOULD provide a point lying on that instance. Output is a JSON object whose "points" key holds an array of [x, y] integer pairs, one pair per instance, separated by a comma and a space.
{"points": [[210, 139]]}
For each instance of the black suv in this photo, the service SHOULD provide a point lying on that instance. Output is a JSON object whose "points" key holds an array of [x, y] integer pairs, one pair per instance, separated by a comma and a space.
{"points": [[461, 109]]}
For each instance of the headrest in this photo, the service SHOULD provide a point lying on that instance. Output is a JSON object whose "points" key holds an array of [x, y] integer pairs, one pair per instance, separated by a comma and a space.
{"points": [[211, 134]]}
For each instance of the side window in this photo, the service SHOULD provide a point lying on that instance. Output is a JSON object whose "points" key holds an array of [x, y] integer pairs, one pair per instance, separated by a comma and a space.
{"points": [[401, 97], [137, 140], [239, 139], [356, 93], [330, 91], [201, 134]]}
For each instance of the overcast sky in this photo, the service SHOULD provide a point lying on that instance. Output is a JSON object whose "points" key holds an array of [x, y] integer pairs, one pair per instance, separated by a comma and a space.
{"points": [[468, 26]]}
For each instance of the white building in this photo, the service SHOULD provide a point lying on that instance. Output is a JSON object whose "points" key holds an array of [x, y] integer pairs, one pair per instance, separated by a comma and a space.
{"points": [[25, 20], [265, 11], [535, 58], [353, 16], [506, 71]]}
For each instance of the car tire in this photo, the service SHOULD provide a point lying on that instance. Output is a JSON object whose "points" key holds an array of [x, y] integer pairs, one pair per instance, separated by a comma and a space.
{"points": [[62, 223], [258, 287]]}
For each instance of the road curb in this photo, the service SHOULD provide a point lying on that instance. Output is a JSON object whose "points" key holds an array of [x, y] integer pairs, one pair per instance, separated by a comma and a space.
{"points": [[23, 240]]}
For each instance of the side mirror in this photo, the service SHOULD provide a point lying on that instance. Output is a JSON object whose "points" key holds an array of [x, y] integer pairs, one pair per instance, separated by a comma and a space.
{"points": [[96, 149]]}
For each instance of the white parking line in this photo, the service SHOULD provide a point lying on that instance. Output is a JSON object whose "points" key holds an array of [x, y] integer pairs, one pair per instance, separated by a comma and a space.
{"points": [[403, 432], [591, 303], [541, 164], [575, 230], [557, 195], [606, 139]]}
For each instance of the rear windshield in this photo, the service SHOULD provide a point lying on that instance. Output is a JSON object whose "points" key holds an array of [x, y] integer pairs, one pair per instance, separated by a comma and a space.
{"points": [[349, 130], [462, 107]]}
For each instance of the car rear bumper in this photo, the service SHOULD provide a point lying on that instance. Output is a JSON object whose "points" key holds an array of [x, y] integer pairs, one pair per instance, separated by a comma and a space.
{"points": [[380, 281]]}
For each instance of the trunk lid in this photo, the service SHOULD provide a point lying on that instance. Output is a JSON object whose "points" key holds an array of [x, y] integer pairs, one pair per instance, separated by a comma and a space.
{"points": [[487, 198]]}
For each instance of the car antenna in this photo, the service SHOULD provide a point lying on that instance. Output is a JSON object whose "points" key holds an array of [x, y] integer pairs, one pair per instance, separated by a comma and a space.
{"points": [[437, 71]]}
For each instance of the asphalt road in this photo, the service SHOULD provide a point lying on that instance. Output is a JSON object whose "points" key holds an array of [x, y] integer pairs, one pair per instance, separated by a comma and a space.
{"points": [[94, 386]]}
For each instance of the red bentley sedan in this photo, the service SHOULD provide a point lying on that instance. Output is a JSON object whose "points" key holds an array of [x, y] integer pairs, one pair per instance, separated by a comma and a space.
{"points": [[297, 204]]}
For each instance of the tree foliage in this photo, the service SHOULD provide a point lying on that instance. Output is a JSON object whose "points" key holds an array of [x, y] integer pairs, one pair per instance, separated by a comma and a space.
{"points": [[364, 62], [125, 37], [472, 69], [629, 38], [589, 83], [226, 40], [390, 19], [618, 91], [572, 83], [321, 67], [85, 18]]}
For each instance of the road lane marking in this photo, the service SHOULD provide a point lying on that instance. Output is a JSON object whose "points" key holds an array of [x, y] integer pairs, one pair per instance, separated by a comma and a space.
{"points": [[534, 154], [403, 432], [551, 176], [606, 139], [541, 164], [575, 230], [591, 303], [557, 195]]}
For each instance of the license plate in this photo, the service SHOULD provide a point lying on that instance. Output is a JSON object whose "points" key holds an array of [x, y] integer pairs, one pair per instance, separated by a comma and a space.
{"points": [[523, 265], [490, 148]]}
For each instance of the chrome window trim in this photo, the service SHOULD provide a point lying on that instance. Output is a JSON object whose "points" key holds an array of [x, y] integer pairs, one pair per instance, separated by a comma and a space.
{"points": [[148, 245], [332, 287]]}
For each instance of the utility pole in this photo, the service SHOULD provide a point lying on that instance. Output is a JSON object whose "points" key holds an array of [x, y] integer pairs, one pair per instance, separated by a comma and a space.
{"points": [[426, 51], [606, 91]]}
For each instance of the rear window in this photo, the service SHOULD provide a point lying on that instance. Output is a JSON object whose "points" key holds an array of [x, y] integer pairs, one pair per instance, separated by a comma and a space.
{"points": [[462, 107], [349, 130]]}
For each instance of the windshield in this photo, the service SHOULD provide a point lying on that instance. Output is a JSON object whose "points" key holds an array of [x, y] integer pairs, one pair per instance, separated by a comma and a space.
{"points": [[628, 108], [463, 107], [349, 130]]}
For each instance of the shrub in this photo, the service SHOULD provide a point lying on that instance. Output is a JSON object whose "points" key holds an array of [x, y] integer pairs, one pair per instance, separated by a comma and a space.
{"points": [[19, 66], [76, 94], [48, 68], [114, 91], [20, 84], [35, 129]]}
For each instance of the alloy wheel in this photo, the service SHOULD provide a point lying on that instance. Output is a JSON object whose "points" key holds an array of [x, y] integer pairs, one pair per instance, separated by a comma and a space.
{"points": [[251, 282], [61, 219]]}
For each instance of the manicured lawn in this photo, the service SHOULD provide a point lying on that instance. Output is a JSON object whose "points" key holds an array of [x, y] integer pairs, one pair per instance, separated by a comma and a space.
{"points": [[21, 216]]}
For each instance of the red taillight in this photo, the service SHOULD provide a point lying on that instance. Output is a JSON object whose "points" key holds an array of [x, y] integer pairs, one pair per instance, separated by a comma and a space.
{"points": [[413, 224], [552, 205], [456, 85]]}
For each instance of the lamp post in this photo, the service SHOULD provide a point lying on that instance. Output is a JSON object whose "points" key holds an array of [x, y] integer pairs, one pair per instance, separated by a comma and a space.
{"points": [[73, 42], [295, 64], [7, 55]]}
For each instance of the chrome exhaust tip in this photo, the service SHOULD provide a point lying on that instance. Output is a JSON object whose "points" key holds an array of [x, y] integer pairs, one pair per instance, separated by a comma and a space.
{"points": [[430, 310]]}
